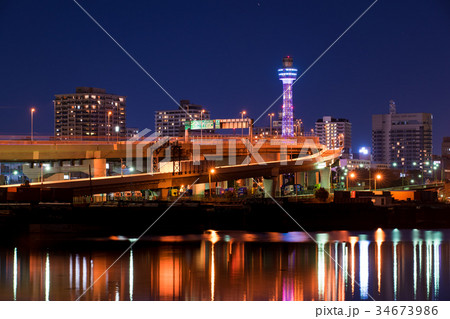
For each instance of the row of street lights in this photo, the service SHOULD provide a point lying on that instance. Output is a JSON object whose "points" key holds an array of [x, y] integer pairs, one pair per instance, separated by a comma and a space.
{"points": [[117, 128], [352, 175], [432, 169]]}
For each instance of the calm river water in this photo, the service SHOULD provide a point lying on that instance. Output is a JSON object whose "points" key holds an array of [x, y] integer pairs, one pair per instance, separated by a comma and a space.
{"points": [[340, 265]]}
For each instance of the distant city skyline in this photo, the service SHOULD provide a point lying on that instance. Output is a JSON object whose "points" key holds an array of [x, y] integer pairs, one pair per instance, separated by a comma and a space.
{"points": [[396, 51]]}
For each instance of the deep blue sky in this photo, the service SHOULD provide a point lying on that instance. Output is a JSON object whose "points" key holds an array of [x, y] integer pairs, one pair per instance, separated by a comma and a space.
{"points": [[225, 54]]}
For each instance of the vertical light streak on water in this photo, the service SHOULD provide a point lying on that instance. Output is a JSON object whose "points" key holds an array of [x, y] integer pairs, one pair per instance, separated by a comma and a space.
{"points": [[344, 268], [336, 269], [289, 283], [395, 240], [131, 275], [353, 241], [47, 277], [84, 273], [77, 272], [321, 240], [415, 238], [92, 274], [321, 271], [15, 274], [415, 268], [437, 262], [213, 273], [345, 264], [213, 238], [70, 271], [379, 239], [364, 267], [420, 257], [379, 265], [429, 245]]}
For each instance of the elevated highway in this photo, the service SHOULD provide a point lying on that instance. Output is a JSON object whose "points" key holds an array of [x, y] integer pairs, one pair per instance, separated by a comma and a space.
{"points": [[59, 150], [270, 170]]}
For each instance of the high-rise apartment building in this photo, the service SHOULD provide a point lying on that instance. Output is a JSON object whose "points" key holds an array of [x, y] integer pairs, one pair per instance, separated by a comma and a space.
{"points": [[329, 130], [171, 122], [402, 139], [90, 113]]}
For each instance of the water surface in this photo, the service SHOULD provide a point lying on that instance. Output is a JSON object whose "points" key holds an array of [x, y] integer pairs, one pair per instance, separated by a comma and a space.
{"points": [[341, 265]]}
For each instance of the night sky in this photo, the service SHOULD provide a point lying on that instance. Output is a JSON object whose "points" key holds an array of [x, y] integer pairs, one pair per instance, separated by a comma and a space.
{"points": [[225, 55]]}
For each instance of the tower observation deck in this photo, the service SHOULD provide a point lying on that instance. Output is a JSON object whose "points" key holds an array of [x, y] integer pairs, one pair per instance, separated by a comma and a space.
{"points": [[287, 75]]}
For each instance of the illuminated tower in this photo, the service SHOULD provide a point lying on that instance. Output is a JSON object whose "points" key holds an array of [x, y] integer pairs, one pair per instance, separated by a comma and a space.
{"points": [[287, 75]]}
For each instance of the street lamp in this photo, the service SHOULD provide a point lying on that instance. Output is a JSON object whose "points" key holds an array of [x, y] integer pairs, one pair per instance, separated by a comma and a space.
{"points": [[271, 115], [211, 171], [32, 113], [242, 116], [109, 125], [352, 176], [378, 177], [201, 124]]}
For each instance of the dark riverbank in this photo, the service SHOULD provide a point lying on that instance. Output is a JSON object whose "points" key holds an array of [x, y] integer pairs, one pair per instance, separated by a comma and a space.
{"points": [[196, 217]]}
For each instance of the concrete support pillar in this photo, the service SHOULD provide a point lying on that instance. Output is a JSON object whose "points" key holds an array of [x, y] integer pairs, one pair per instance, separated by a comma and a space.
{"points": [[198, 189], [275, 185], [325, 175], [300, 178], [303, 179], [164, 193], [276, 180], [311, 175], [98, 167], [268, 186]]}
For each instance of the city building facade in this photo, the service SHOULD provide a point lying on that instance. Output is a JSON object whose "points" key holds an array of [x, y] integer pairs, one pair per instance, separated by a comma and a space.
{"points": [[330, 130], [90, 113], [403, 140], [446, 157], [131, 132], [276, 127], [172, 122]]}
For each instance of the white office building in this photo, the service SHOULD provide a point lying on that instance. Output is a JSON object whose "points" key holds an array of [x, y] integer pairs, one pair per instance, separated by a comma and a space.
{"points": [[403, 140]]}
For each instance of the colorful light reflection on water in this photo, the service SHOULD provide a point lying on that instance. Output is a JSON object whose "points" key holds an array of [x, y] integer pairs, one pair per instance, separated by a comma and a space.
{"points": [[383, 265]]}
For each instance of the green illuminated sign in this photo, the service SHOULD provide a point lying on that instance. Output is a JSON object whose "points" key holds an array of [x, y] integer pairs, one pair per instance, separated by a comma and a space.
{"points": [[205, 124]]}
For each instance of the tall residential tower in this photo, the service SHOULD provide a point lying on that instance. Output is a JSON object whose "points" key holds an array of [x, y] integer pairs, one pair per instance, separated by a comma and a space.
{"points": [[287, 75]]}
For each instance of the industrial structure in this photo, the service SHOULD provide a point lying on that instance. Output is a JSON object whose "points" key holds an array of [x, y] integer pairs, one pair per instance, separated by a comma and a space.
{"points": [[403, 140], [287, 75], [90, 113]]}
